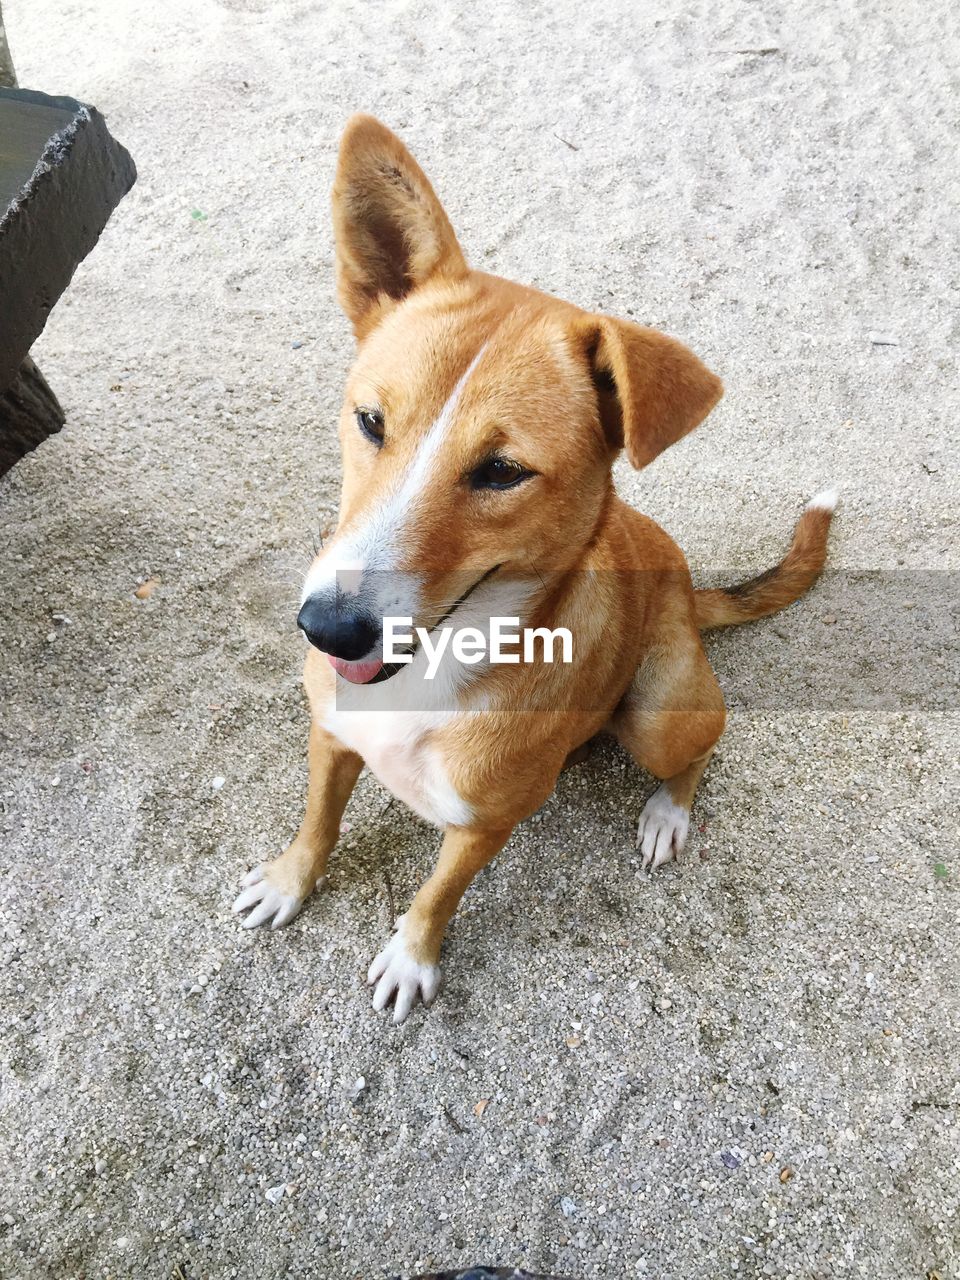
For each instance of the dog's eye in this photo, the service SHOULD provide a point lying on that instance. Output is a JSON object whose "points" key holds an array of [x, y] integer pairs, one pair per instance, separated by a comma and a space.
{"points": [[370, 422], [498, 473]]}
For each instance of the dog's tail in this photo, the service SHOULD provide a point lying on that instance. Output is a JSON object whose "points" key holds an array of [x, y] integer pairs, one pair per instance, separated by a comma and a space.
{"points": [[779, 586]]}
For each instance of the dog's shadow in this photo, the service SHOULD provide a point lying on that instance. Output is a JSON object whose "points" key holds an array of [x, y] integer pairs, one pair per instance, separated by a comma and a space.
{"points": [[591, 815]]}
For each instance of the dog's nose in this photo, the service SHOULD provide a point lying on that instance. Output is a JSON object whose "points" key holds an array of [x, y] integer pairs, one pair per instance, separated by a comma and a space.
{"points": [[344, 632]]}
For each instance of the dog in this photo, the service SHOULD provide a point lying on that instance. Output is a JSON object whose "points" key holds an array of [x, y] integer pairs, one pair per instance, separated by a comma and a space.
{"points": [[478, 431]]}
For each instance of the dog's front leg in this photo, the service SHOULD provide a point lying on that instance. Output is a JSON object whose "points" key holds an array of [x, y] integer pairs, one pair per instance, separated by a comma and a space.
{"points": [[277, 890], [406, 970]]}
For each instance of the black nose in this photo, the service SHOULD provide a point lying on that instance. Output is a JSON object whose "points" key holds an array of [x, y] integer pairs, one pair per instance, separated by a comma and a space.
{"points": [[346, 633]]}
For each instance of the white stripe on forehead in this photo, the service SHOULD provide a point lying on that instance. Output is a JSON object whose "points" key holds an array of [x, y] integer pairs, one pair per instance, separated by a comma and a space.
{"points": [[371, 546]]}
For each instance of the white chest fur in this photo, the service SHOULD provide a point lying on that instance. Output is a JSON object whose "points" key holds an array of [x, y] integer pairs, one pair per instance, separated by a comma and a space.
{"points": [[395, 747], [389, 725]]}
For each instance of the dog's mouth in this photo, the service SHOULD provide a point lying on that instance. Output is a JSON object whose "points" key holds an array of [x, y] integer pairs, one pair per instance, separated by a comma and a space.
{"points": [[357, 672], [374, 671]]}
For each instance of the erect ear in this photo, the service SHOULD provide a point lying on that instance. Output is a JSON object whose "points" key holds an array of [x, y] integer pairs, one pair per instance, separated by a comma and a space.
{"points": [[651, 389], [391, 232]]}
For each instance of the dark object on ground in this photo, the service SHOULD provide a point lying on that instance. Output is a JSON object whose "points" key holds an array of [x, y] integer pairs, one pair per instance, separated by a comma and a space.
{"points": [[29, 412], [8, 77], [61, 176], [481, 1273]]}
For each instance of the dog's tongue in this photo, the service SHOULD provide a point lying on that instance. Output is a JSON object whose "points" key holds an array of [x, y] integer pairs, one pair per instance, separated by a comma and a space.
{"points": [[355, 672]]}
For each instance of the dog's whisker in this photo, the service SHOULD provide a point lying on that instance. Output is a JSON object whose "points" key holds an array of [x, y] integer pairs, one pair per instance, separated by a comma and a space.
{"points": [[539, 575]]}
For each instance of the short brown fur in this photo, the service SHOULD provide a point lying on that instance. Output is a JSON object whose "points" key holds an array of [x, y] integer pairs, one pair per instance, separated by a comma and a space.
{"points": [[565, 390]]}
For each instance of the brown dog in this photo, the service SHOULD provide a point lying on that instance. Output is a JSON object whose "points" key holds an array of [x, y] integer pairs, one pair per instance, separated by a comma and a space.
{"points": [[479, 427]]}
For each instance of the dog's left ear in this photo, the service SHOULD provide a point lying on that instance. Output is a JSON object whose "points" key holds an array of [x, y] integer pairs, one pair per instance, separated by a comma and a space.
{"points": [[391, 232], [651, 389]]}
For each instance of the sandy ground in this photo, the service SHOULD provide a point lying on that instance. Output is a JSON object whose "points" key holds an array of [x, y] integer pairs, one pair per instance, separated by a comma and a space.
{"points": [[748, 1065]]}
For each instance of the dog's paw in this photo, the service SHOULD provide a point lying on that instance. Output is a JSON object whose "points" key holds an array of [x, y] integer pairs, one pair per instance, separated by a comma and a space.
{"points": [[270, 903], [400, 977], [663, 828]]}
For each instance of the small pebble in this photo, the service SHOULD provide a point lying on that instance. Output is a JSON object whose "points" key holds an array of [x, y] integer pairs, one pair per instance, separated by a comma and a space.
{"points": [[218, 782]]}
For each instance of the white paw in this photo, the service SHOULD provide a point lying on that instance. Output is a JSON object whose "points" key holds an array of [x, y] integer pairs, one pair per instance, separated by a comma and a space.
{"points": [[396, 972], [663, 828], [268, 902]]}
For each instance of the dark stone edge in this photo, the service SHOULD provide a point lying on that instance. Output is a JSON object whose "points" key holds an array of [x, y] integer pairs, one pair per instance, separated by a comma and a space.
{"points": [[35, 267]]}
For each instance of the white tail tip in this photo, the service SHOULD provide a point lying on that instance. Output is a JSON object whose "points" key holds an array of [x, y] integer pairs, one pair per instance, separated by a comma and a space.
{"points": [[825, 500]]}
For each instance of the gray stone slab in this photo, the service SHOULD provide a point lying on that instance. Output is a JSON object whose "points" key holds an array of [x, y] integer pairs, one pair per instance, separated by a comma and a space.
{"points": [[61, 176]]}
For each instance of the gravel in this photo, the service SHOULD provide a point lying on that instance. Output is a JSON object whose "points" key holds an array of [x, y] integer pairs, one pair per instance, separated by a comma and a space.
{"points": [[179, 1098]]}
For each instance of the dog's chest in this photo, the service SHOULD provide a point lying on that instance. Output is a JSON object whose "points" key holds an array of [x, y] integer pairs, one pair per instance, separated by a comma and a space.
{"points": [[395, 746]]}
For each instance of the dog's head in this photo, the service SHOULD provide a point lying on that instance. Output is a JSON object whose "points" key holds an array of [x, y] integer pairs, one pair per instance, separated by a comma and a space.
{"points": [[480, 420]]}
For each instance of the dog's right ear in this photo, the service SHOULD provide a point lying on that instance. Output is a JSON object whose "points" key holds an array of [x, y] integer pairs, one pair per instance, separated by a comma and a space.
{"points": [[391, 232], [651, 389]]}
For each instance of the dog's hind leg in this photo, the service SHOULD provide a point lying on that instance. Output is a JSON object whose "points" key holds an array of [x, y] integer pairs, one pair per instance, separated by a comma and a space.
{"points": [[277, 890], [665, 820], [670, 720]]}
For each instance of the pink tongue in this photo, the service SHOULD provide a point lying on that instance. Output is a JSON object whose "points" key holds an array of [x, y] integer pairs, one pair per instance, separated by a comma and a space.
{"points": [[355, 672]]}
